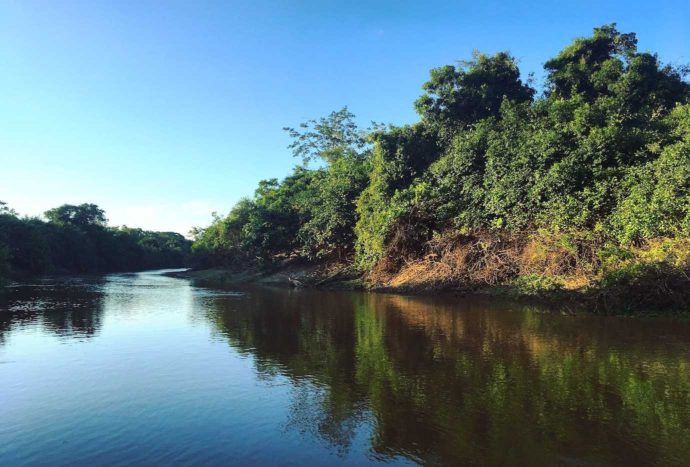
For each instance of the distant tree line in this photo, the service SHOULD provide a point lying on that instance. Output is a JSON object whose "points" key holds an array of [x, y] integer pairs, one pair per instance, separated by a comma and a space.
{"points": [[77, 239], [602, 152]]}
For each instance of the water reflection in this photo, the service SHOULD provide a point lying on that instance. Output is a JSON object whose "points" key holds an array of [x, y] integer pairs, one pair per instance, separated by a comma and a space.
{"points": [[158, 371], [439, 381], [67, 308]]}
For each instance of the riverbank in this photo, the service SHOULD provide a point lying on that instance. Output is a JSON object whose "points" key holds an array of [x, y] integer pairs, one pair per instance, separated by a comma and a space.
{"points": [[650, 288], [288, 273]]}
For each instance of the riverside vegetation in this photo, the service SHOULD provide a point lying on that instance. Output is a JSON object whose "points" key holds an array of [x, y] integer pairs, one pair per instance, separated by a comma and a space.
{"points": [[76, 240], [582, 188]]}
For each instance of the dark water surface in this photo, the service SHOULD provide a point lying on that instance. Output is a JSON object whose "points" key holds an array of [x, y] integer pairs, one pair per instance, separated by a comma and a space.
{"points": [[141, 369]]}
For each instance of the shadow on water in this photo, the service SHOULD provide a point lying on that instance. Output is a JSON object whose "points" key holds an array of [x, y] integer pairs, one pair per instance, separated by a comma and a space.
{"points": [[475, 382], [69, 307]]}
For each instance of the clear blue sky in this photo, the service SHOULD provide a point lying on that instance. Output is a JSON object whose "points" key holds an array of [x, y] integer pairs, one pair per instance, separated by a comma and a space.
{"points": [[163, 111]]}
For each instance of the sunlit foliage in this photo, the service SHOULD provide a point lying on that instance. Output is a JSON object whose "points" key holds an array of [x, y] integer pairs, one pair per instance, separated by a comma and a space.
{"points": [[602, 153]]}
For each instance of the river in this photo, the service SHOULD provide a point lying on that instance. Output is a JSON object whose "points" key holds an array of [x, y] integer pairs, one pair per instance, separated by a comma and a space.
{"points": [[144, 369]]}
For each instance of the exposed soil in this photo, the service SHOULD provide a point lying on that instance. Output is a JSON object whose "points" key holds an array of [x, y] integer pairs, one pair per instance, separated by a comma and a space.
{"points": [[524, 267]]}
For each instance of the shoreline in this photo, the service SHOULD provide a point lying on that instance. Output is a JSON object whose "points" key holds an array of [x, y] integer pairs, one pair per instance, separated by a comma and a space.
{"points": [[618, 301]]}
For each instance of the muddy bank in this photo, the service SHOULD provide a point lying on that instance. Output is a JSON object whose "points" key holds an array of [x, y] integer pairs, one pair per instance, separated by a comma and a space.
{"points": [[343, 277], [330, 278], [340, 276]]}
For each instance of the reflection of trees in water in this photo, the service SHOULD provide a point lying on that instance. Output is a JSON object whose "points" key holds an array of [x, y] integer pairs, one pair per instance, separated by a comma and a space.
{"points": [[288, 335], [317, 411], [471, 383], [73, 310]]}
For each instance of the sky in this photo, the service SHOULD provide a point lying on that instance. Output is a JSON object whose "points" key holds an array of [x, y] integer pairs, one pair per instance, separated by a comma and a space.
{"points": [[162, 112]]}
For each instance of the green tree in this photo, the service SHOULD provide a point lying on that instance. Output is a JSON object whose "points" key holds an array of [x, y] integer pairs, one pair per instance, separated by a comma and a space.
{"points": [[473, 90], [82, 215], [332, 210], [657, 194], [77, 240], [224, 241], [330, 137], [401, 156], [607, 64], [601, 154]]}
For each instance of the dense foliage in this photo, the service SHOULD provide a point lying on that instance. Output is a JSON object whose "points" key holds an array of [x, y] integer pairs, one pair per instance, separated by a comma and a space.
{"points": [[311, 213], [76, 239], [603, 152]]}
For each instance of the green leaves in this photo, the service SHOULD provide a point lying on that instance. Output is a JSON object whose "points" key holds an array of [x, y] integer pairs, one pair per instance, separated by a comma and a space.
{"points": [[472, 91], [330, 230], [603, 150], [657, 202], [329, 138], [76, 240], [83, 215]]}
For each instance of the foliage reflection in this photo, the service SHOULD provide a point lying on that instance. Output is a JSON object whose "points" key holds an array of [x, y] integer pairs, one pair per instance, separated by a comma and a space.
{"points": [[442, 381]]}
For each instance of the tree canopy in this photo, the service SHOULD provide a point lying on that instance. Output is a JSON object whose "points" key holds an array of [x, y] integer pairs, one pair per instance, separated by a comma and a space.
{"points": [[81, 216], [473, 90], [330, 137], [77, 240], [601, 154]]}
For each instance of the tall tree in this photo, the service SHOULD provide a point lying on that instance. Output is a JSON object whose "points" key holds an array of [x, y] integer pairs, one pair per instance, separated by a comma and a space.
{"points": [[473, 90], [82, 215], [607, 64], [330, 137]]}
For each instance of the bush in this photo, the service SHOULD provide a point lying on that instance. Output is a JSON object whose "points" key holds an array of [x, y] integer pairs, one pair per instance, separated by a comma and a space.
{"points": [[329, 232], [657, 200]]}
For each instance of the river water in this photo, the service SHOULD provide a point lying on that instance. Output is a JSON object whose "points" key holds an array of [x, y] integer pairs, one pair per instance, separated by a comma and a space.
{"points": [[143, 369]]}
